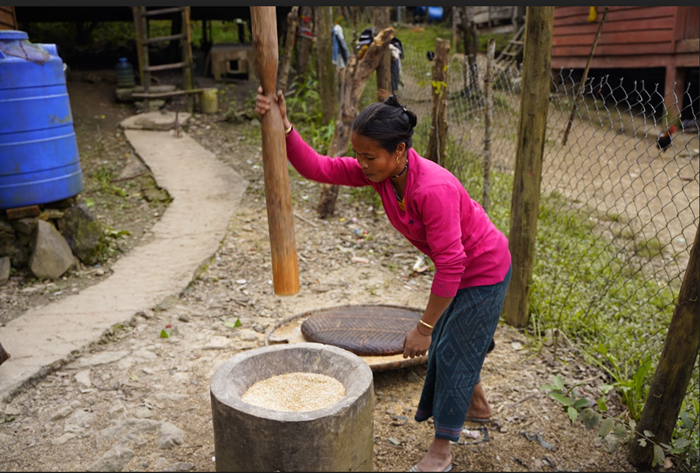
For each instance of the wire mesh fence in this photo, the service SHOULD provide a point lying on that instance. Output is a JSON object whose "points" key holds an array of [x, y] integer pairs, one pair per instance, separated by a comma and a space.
{"points": [[618, 210]]}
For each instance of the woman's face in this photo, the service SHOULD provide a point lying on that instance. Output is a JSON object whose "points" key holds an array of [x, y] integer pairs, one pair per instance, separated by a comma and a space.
{"points": [[376, 162]]}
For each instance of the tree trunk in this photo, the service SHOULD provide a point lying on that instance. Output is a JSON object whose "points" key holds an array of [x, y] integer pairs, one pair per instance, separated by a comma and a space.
{"points": [[304, 40], [534, 105], [357, 73], [292, 22], [326, 69], [285, 271], [670, 382], [381, 21], [438, 110]]}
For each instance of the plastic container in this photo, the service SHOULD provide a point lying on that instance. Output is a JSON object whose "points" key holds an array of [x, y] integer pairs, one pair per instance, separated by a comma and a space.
{"points": [[435, 13], [39, 160], [209, 100], [125, 74]]}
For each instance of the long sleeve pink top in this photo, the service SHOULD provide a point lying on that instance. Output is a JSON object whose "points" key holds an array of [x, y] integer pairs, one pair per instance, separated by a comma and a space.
{"points": [[440, 219]]}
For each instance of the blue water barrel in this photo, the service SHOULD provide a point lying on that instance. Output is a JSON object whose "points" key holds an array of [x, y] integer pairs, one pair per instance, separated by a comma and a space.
{"points": [[39, 161], [435, 13]]}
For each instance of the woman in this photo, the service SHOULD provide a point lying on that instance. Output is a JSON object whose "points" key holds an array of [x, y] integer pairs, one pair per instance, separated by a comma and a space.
{"points": [[431, 208]]}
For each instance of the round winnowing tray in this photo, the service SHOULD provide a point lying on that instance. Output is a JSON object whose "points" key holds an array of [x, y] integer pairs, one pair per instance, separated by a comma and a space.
{"points": [[383, 340]]}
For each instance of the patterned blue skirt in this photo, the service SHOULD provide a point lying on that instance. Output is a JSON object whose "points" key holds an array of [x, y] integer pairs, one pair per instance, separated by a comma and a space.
{"points": [[457, 351]]}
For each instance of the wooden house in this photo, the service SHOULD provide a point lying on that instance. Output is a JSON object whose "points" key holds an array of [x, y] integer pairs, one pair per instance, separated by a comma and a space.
{"points": [[631, 37], [8, 19]]}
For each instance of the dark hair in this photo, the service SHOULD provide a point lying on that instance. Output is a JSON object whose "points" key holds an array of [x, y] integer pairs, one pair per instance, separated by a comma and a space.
{"points": [[388, 122]]}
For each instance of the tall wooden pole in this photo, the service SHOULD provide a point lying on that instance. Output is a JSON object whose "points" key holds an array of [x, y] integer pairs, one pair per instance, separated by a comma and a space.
{"points": [[670, 382], [292, 22], [486, 195], [285, 271], [438, 113], [324, 61], [534, 104]]}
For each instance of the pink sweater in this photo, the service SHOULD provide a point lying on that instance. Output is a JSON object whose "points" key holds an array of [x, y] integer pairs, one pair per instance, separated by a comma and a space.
{"points": [[441, 220]]}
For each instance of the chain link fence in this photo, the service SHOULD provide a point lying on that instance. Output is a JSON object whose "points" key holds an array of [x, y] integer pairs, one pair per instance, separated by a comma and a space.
{"points": [[618, 214]]}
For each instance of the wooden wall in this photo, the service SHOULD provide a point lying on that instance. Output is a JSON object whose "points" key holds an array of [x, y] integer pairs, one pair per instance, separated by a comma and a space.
{"points": [[7, 18], [631, 36]]}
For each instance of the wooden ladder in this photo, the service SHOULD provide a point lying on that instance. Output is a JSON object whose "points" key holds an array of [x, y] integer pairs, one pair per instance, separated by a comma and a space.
{"points": [[510, 53], [141, 16]]}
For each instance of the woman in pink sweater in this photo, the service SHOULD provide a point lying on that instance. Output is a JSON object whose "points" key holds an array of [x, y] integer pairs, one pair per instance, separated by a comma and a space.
{"points": [[431, 208]]}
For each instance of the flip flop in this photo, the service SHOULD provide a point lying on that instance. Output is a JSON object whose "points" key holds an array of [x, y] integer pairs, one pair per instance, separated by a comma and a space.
{"points": [[478, 420], [414, 468]]}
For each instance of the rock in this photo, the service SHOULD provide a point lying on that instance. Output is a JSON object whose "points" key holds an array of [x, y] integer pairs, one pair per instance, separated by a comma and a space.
{"points": [[12, 411], [611, 442], [83, 233], [144, 355], [83, 378], [6, 228], [174, 397], [146, 314], [51, 256], [16, 250], [51, 214], [102, 358], [127, 426], [4, 269], [62, 204], [143, 413], [117, 410], [169, 436], [25, 226], [78, 421], [63, 439], [217, 343], [115, 459], [155, 194], [179, 466], [62, 413]]}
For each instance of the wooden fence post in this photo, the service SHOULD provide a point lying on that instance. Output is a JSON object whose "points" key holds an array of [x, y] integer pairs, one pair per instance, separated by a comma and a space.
{"points": [[292, 22], [304, 40], [438, 109], [324, 61], [670, 381], [285, 271], [534, 105], [382, 16], [486, 196]]}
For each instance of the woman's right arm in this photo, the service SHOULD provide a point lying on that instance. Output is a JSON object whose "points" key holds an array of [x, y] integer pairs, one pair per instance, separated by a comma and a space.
{"points": [[310, 164]]}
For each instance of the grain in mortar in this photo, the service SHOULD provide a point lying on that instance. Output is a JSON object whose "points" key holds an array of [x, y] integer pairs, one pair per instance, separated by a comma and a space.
{"points": [[295, 392]]}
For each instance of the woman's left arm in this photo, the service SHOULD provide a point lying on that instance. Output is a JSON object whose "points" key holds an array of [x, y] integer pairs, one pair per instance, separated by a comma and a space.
{"points": [[418, 339]]}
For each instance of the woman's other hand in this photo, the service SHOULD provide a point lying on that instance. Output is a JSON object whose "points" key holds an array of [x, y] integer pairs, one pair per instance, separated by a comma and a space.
{"points": [[262, 106], [415, 344]]}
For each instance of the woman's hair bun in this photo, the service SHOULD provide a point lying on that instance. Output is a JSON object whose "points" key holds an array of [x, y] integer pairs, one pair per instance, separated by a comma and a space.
{"points": [[393, 101]]}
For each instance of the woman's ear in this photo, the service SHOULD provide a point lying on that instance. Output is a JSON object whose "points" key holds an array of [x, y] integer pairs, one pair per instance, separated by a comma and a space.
{"points": [[401, 148]]}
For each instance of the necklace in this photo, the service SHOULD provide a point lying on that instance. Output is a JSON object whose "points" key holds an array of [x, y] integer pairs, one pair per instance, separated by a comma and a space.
{"points": [[404, 170]]}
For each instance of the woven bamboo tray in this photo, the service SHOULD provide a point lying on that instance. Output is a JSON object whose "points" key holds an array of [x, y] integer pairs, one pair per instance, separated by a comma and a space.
{"points": [[289, 331]]}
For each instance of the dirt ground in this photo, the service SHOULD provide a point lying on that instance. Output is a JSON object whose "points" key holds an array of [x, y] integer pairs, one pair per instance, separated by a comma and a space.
{"points": [[66, 421]]}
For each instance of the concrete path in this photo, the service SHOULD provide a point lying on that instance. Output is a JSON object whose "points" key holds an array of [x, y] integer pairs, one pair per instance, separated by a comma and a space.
{"points": [[205, 193]]}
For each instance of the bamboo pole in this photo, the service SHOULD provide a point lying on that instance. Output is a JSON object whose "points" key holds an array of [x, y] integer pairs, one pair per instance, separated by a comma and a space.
{"points": [[534, 105], [438, 126], [670, 381], [581, 86], [285, 271], [486, 198]]}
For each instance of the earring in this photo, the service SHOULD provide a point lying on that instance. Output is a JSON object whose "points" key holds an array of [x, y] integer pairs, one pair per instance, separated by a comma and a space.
{"points": [[398, 158]]}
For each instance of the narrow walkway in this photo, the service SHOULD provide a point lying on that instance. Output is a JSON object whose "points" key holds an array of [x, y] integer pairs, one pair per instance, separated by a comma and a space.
{"points": [[205, 193]]}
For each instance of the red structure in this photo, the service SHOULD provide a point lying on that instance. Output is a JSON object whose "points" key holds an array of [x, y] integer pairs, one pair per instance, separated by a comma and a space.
{"points": [[632, 37]]}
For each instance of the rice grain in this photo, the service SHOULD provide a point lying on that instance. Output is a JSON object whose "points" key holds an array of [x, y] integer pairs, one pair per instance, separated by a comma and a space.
{"points": [[295, 392]]}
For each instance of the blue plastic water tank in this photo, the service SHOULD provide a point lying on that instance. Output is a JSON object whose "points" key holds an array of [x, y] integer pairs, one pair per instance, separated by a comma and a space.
{"points": [[39, 161], [435, 13]]}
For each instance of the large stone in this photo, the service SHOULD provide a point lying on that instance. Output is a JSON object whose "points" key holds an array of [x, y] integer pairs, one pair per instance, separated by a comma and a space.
{"points": [[4, 269], [169, 435], [115, 459], [6, 228], [25, 226], [51, 256], [83, 233]]}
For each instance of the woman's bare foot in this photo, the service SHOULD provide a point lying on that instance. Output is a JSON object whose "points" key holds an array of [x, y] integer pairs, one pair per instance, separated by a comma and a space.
{"points": [[438, 456], [479, 407]]}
